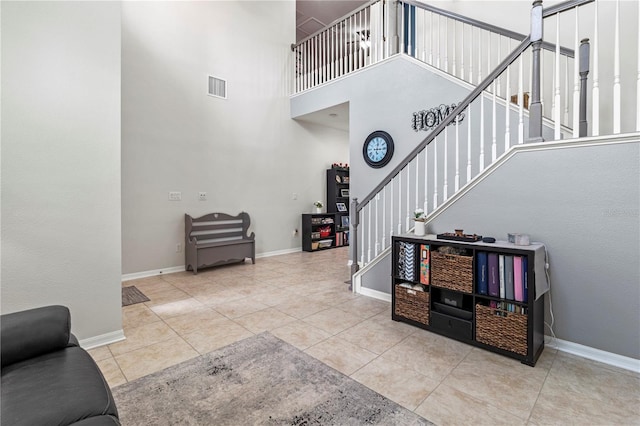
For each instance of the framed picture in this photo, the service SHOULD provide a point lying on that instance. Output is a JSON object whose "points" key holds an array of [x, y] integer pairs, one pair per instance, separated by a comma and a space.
{"points": [[342, 207], [344, 221], [344, 192], [345, 179], [338, 179]]}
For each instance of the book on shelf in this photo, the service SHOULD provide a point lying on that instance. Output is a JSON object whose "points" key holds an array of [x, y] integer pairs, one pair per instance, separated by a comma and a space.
{"points": [[482, 273], [494, 271], [525, 278], [504, 308], [518, 279], [501, 275], [508, 277], [425, 260]]}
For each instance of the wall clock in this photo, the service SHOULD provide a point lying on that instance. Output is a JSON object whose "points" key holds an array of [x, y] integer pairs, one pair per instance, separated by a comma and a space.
{"points": [[378, 149]]}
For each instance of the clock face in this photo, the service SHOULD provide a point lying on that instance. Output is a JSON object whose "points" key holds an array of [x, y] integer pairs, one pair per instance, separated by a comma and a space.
{"points": [[378, 149]]}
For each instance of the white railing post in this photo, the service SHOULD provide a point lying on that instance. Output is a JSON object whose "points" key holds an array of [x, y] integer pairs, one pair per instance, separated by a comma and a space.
{"points": [[556, 99], [576, 78], [445, 166], [507, 112], [435, 174], [595, 96], [638, 78], [535, 105], [616, 72]]}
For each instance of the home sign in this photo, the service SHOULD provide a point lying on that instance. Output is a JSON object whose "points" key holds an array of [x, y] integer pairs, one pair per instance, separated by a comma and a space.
{"points": [[428, 119]]}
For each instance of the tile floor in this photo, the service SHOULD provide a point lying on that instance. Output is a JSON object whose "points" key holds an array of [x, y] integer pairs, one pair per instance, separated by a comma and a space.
{"points": [[302, 298]]}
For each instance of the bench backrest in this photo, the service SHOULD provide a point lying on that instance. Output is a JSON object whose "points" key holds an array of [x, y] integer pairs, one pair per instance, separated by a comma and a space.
{"points": [[217, 227]]}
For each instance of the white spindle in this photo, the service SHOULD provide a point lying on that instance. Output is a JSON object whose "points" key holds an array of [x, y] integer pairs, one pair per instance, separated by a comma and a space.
{"points": [[426, 180], [400, 202], [556, 99], [462, 52], [576, 79], [616, 72], [481, 160], [445, 168], [471, 38], [521, 101], [566, 90], [638, 78], [507, 112], [446, 45], [424, 36], [362, 246], [500, 60], [456, 181], [408, 221], [454, 52], [384, 216], [391, 224], [323, 57], [494, 128], [438, 45], [431, 40], [417, 180], [369, 234], [377, 248], [479, 57], [595, 97], [435, 174], [409, 32], [468, 117]]}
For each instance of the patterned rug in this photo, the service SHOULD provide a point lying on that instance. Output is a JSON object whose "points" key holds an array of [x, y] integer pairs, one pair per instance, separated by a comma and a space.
{"points": [[260, 380], [131, 295]]}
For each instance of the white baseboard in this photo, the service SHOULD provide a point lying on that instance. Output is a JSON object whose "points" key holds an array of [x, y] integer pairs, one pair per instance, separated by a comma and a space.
{"points": [[172, 269], [375, 294], [594, 354], [103, 339]]}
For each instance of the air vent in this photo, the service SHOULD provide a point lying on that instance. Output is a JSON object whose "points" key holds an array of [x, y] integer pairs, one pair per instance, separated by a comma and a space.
{"points": [[217, 87]]}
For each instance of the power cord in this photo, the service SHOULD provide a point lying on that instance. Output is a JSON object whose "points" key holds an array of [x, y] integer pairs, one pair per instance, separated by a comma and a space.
{"points": [[546, 271]]}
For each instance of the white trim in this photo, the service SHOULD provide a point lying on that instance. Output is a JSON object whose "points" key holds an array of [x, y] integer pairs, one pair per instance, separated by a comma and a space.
{"points": [[172, 269], [103, 339], [375, 294], [594, 354]]}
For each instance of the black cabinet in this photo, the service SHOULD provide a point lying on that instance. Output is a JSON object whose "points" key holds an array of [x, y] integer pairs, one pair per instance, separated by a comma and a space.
{"points": [[321, 231], [478, 293], [338, 195]]}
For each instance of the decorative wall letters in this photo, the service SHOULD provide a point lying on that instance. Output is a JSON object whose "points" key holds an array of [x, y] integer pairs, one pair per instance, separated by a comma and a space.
{"points": [[428, 119]]}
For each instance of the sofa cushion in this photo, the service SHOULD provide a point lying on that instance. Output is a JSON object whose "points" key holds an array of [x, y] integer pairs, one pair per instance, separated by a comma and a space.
{"points": [[58, 388]]}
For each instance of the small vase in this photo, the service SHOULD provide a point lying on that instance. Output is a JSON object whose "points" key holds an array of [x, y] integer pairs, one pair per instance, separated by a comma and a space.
{"points": [[420, 228], [318, 210]]}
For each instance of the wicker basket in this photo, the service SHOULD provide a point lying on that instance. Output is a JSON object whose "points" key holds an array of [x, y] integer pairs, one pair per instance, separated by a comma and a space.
{"points": [[452, 271], [506, 331], [412, 304]]}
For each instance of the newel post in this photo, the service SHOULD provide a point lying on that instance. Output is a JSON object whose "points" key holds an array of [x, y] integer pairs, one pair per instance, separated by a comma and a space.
{"points": [[353, 237], [535, 107], [584, 72]]}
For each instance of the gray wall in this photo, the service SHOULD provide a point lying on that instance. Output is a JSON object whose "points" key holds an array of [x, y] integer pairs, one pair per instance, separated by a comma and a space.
{"points": [[61, 160], [245, 152], [583, 203]]}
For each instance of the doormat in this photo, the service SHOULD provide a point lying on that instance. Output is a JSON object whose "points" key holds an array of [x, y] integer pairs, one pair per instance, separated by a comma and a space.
{"points": [[131, 295]]}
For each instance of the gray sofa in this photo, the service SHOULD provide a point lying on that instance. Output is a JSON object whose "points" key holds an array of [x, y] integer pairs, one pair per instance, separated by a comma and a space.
{"points": [[47, 379]]}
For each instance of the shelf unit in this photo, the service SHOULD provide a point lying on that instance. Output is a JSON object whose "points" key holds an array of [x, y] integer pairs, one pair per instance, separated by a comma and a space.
{"points": [[443, 286], [338, 192], [320, 231]]}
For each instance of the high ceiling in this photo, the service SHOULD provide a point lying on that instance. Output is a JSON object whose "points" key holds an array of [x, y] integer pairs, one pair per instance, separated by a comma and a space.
{"points": [[313, 15]]}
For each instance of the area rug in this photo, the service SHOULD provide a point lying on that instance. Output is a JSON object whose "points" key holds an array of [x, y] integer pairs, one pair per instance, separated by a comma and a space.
{"points": [[260, 380], [131, 295]]}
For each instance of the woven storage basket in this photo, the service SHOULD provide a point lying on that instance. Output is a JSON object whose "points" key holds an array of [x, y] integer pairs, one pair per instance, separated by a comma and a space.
{"points": [[452, 271], [412, 304], [505, 332]]}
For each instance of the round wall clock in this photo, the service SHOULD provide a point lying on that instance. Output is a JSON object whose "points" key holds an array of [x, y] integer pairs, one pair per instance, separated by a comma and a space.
{"points": [[378, 149]]}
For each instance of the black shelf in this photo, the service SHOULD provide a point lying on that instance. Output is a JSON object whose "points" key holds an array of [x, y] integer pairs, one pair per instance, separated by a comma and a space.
{"points": [[312, 222]]}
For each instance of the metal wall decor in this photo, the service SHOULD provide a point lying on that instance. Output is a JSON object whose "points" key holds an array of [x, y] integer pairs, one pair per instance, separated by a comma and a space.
{"points": [[428, 119]]}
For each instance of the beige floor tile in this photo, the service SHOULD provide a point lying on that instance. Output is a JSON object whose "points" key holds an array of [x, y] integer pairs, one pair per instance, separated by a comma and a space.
{"points": [[373, 336], [111, 372], [428, 353], [194, 321], [145, 335], [240, 307], [156, 357], [333, 296], [398, 383], [185, 278], [153, 285], [264, 320], [333, 320], [301, 307], [300, 334], [341, 355], [275, 296], [579, 391], [365, 307], [490, 377], [100, 353], [143, 282], [170, 295], [137, 315], [219, 296], [216, 334], [173, 309], [447, 406]]}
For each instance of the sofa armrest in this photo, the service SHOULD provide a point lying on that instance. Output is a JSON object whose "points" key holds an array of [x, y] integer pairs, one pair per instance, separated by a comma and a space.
{"points": [[28, 334]]}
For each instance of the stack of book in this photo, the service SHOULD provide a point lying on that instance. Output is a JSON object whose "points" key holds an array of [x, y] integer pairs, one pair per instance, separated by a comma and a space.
{"points": [[502, 276], [406, 261]]}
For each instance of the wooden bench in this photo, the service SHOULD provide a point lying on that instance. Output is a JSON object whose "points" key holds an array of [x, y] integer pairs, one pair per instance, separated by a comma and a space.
{"points": [[217, 239]]}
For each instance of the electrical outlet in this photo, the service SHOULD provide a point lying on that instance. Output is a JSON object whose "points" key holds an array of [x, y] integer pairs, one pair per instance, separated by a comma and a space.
{"points": [[175, 196], [295, 232], [178, 248], [202, 196]]}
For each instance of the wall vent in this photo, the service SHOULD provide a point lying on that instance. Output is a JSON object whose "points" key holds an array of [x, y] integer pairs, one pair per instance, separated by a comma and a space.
{"points": [[217, 87]]}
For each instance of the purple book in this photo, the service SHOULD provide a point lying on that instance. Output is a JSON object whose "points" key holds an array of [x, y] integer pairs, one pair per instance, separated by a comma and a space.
{"points": [[494, 275]]}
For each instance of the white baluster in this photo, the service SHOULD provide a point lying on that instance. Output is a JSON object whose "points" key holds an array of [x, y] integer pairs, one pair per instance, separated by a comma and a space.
{"points": [[362, 246], [435, 173], [426, 179], [521, 101], [323, 57], [479, 57], [462, 52], [400, 202], [500, 60], [566, 90], [438, 44], [391, 224], [507, 112], [595, 97], [445, 162], [417, 180], [431, 39], [424, 55], [556, 99], [408, 221], [576, 81], [384, 215], [410, 30], [468, 117], [638, 79], [482, 119], [456, 181], [446, 45], [377, 248], [616, 73], [369, 234], [471, 38], [494, 130], [454, 53]]}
